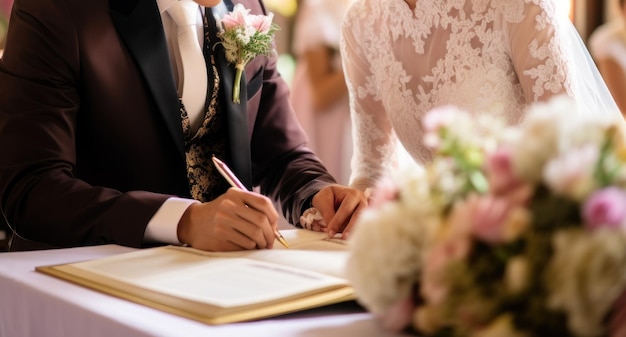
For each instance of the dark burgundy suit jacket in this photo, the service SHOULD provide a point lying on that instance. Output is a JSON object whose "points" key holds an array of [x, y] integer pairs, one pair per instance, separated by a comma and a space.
{"points": [[91, 140]]}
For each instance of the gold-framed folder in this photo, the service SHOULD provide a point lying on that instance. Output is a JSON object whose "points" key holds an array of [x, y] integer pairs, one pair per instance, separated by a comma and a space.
{"points": [[218, 288]]}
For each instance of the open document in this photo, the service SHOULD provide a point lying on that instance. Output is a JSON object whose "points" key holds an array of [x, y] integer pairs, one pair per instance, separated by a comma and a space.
{"points": [[217, 288]]}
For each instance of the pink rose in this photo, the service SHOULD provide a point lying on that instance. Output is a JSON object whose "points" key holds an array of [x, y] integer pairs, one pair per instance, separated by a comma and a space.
{"points": [[605, 208], [238, 17], [385, 191], [571, 174], [490, 215], [437, 119], [399, 316], [232, 21], [261, 23], [435, 284], [500, 171], [493, 218], [441, 117], [485, 217]]}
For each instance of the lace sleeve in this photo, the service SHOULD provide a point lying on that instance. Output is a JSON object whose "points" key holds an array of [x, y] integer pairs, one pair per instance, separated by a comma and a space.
{"points": [[373, 137], [550, 59]]}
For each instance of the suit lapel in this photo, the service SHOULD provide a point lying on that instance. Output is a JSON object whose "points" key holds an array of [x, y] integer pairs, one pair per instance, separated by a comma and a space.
{"points": [[139, 25], [236, 113]]}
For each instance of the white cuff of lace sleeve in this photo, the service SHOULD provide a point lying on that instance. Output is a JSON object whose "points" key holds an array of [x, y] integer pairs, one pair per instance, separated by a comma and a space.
{"points": [[312, 218], [163, 225]]}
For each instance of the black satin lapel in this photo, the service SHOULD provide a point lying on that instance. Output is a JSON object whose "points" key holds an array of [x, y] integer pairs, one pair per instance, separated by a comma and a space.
{"points": [[236, 113], [139, 24]]}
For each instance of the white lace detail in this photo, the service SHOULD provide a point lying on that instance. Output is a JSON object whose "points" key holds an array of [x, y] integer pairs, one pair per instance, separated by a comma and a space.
{"points": [[493, 56]]}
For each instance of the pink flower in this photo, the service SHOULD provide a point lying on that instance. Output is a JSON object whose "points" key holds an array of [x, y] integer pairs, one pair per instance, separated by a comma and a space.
{"points": [[435, 283], [261, 23], [571, 173], [236, 18], [244, 36], [384, 192], [441, 117], [437, 119], [500, 171], [240, 17], [487, 216], [399, 316], [605, 208], [492, 219]]}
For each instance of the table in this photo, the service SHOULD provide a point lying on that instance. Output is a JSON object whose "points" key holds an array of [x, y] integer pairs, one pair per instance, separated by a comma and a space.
{"points": [[35, 304]]}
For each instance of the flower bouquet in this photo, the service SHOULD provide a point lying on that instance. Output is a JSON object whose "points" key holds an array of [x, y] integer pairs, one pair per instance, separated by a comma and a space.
{"points": [[244, 36], [509, 231]]}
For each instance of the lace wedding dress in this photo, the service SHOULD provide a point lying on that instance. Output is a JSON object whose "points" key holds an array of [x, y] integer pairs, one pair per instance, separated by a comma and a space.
{"points": [[484, 56]]}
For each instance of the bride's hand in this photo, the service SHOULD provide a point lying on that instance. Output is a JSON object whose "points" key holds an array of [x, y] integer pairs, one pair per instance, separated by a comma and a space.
{"points": [[340, 207]]}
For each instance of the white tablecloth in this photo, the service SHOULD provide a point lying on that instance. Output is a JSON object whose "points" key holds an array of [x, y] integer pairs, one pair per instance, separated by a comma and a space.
{"points": [[34, 304]]}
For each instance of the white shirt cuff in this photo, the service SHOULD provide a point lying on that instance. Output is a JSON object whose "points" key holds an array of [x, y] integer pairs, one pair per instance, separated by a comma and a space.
{"points": [[164, 224]]}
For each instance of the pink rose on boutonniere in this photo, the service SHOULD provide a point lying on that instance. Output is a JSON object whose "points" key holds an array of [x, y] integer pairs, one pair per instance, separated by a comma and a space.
{"points": [[244, 36]]}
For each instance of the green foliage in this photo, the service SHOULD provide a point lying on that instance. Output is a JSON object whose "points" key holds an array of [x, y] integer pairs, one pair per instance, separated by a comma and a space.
{"points": [[243, 47]]}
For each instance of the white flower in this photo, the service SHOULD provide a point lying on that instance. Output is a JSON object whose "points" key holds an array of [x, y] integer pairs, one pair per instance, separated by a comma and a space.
{"points": [[571, 174], [535, 141], [551, 129], [392, 235], [585, 276]]}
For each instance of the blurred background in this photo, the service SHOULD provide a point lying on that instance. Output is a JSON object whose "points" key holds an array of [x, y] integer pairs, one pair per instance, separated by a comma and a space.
{"points": [[586, 15], [5, 10]]}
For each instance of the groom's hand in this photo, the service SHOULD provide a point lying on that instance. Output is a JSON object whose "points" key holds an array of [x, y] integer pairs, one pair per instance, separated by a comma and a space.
{"points": [[237, 220]]}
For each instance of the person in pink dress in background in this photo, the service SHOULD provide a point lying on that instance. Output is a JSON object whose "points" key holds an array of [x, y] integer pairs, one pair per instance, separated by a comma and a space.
{"points": [[5, 11], [319, 94], [608, 47], [5, 6]]}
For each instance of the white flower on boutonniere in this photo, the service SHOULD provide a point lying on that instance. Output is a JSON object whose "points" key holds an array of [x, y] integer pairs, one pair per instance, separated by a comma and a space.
{"points": [[244, 36]]}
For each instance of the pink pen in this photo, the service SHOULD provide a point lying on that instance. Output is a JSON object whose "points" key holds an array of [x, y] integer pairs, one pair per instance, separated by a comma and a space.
{"points": [[235, 182]]}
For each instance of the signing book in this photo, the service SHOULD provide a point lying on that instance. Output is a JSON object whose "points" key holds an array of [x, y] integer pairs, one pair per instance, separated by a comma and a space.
{"points": [[218, 288]]}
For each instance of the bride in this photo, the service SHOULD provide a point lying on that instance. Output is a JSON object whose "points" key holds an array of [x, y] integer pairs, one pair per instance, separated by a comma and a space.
{"points": [[403, 58]]}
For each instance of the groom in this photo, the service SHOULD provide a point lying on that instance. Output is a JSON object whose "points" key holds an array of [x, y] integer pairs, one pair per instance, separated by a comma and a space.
{"points": [[98, 146]]}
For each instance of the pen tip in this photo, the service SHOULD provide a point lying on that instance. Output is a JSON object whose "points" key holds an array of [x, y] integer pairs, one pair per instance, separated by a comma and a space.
{"points": [[281, 240]]}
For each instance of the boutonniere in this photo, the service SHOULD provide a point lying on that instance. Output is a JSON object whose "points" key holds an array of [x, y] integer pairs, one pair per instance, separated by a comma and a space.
{"points": [[244, 36]]}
